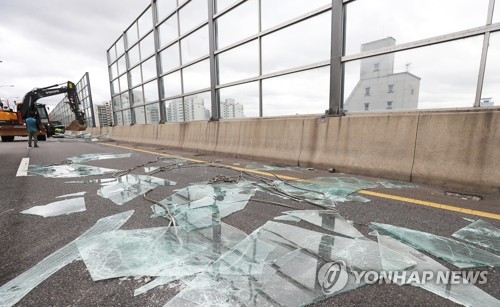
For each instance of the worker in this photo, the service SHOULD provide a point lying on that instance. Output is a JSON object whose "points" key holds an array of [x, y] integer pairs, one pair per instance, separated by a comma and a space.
{"points": [[33, 128]]}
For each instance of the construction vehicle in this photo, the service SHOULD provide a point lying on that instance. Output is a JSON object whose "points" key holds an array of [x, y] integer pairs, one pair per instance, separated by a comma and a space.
{"points": [[12, 123]]}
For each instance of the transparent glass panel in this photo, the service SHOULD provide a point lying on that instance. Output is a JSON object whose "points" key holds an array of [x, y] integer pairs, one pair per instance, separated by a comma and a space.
{"points": [[135, 76], [413, 21], [119, 118], [165, 7], [491, 87], [239, 63], [153, 113], [132, 35], [481, 233], [170, 58], [71, 170], [123, 83], [174, 109], [127, 117], [125, 100], [120, 47], [240, 101], [195, 45], [304, 92], [228, 33], [196, 76], [117, 105], [172, 84], [62, 207], [414, 79], [140, 117], [496, 14], [149, 69], [196, 107], [133, 56], [122, 65], [301, 44], [329, 220], [273, 12], [151, 91], [113, 69], [223, 4], [137, 96], [147, 46], [193, 14], [84, 158], [112, 54], [115, 87], [145, 22], [168, 31]]}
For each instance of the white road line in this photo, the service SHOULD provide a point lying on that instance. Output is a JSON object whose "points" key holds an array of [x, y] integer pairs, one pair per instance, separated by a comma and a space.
{"points": [[23, 167]]}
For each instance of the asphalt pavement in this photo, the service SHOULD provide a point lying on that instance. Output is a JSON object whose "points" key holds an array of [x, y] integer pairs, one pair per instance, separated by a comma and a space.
{"points": [[28, 239]]}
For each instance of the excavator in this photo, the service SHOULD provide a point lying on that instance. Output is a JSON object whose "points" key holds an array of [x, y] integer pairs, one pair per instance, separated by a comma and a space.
{"points": [[12, 123]]}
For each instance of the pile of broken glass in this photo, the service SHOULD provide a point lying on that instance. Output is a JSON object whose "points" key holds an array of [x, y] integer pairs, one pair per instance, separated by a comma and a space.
{"points": [[280, 263]]}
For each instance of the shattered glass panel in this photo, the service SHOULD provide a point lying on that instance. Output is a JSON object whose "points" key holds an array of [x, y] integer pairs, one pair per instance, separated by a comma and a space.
{"points": [[151, 169], [204, 205], [61, 207], [328, 220], [94, 157], [13, 291], [287, 218], [391, 184], [90, 181], [165, 251], [68, 170], [275, 168], [278, 264], [128, 187], [72, 195], [324, 191], [480, 233], [456, 253], [462, 293]]}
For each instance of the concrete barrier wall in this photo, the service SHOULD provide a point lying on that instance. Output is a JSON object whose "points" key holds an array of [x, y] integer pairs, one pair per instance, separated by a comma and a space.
{"points": [[457, 149]]}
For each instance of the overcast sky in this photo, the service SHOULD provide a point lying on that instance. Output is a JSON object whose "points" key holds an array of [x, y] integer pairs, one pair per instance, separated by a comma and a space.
{"points": [[48, 42]]}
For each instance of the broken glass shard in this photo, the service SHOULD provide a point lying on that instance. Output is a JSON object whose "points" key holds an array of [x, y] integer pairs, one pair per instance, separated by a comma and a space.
{"points": [[14, 290], [61, 207], [94, 157], [328, 220], [68, 170], [287, 218], [151, 169], [128, 187], [278, 264], [163, 251], [463, 292], [204, 205], [90, 181], [275, 168], [72, 195], [457, 253], [391, 184], [480, 233]]}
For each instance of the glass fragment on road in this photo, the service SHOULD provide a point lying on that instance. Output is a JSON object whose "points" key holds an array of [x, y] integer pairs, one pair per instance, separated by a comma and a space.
{"points": [[94, 157], [278, 264], [68, 170], [328, 220], [14, 290], [457, 253], [287, 218], [460, 292], [276, 168], [392, 184], [72, 195], [204, 205], [61, 207], [481, 233]]}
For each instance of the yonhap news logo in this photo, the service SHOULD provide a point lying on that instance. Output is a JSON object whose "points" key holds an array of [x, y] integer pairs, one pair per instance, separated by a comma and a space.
{"points": [[333, 277]]}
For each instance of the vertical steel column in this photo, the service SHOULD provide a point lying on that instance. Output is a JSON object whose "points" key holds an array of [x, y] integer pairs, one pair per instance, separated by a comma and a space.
{"points": [[261, 103], [484, 56], [111, 84], [156, 36], [336, 107], [90, 99], [213, 65]]}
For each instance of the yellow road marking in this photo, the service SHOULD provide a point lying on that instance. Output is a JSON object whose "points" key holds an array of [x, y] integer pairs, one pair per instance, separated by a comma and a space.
{"points": [[365, 192]]}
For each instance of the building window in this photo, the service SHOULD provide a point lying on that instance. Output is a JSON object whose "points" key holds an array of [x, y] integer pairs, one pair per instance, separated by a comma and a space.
{"points": [[376, 67], [367, 106], [412, 91], [389, 105], [391, 88], [367, 91]]}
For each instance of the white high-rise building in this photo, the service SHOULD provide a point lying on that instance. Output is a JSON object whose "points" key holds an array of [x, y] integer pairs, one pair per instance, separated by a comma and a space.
{"points": [[104, 114], [379, 88], [193, 108], [229, 108]]}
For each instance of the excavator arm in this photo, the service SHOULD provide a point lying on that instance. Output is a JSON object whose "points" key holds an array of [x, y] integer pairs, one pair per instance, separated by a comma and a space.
{"points": [[28, 105]]}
